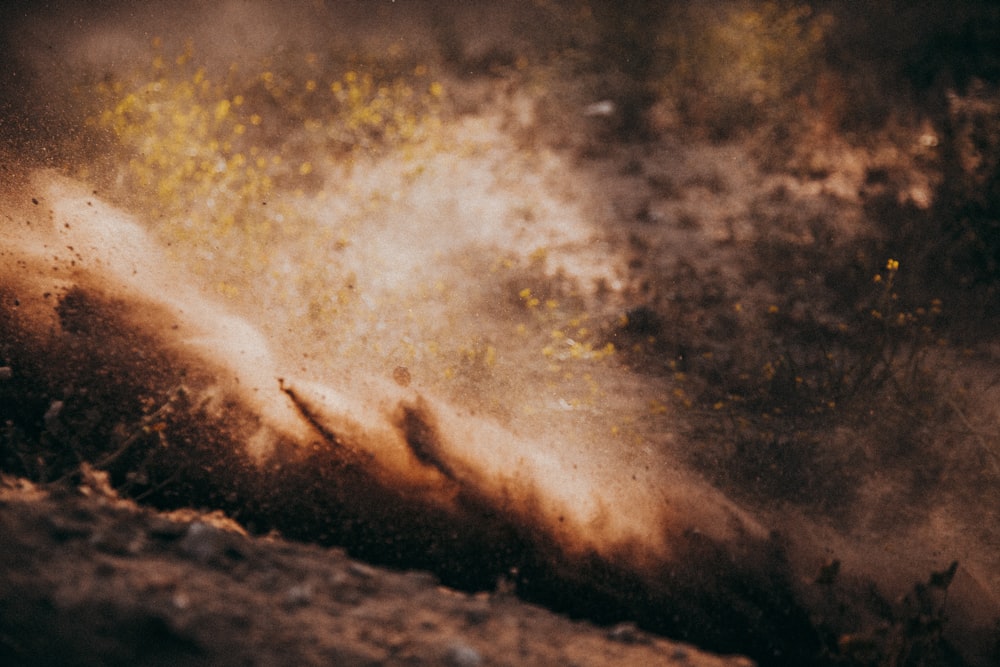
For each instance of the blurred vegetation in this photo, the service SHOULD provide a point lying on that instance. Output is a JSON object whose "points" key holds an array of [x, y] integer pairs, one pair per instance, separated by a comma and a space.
{"points": [[227, 162], [231, 139], [847, 365], [730, 68]]}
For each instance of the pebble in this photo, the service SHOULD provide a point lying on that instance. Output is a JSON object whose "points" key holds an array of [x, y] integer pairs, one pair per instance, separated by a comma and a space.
{"points": [[120, 540], [299, 595], [478, 612], [363, 571], [202, 542], [461, 654], [627, 633], [51, 416]]}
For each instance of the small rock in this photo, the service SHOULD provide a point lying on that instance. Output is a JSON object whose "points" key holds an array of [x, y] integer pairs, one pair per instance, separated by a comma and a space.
{"points": [[299, 595], [51, 416], [461, 654], [96, 483], [602, 108], [161, 528], [6, 372], [202, 542], [343, 588], [478, 612], [118, 539], [627, 633], [62, 528], [362, 571]]}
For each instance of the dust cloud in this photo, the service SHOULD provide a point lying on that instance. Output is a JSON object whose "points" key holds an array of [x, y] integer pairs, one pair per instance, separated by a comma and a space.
{"points": [[452, 247]]}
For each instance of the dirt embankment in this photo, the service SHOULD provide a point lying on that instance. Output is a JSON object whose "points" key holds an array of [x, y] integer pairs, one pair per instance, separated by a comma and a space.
{"points": [[91, 579]]}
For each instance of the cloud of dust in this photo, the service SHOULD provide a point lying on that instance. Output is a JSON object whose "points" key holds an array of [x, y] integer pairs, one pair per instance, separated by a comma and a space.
{"points": [[578, 489], [468, 261], [96, 242]]}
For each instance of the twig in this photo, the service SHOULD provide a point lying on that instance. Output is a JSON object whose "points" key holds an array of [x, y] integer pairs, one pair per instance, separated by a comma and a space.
{"points": [[172, 397], [975, 434]]}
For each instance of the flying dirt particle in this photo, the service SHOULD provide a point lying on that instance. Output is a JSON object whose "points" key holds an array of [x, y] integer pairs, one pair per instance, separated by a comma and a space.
{"points": [[420, 433], [401, 375]]}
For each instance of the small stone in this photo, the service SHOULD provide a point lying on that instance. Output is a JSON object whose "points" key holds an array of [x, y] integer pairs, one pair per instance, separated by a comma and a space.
{"points": [[165, 529], [6, 372], [51, 416], [202, 542], [65, 529], [599, 109], [461, 654], [478, 612], [119, 540], [299, 595], [627, 633], [362, 571]]}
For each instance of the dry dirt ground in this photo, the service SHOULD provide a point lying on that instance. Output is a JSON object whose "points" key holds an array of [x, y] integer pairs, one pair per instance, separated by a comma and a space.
{"points": [[681, 318], [91, 579]]}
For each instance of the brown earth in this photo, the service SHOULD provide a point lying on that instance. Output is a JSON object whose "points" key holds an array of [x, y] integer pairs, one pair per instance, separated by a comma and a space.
{"points": [[93, 579]]}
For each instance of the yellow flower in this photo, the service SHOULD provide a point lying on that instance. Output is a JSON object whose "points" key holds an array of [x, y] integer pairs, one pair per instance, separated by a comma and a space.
{"points": [[222, 109], [892, 265]]}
